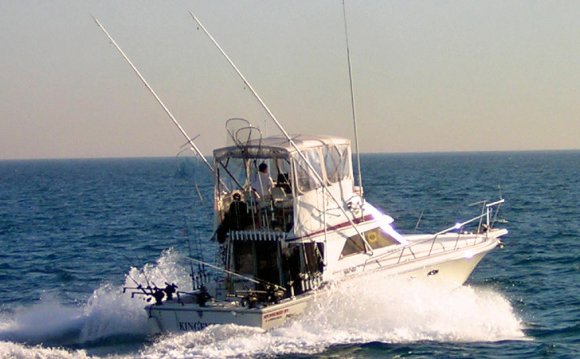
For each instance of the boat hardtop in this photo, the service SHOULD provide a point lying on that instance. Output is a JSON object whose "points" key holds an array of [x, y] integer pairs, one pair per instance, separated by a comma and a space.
{"points": [[281, 144]]}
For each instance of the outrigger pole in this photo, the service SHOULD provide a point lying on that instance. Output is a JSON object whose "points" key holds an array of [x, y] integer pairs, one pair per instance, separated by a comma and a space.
{"points": [[281, 128], [192, 145], [352, 103]]}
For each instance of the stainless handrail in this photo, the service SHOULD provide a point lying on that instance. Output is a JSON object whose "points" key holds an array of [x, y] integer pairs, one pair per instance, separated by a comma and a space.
{"points": [[457, 226]]}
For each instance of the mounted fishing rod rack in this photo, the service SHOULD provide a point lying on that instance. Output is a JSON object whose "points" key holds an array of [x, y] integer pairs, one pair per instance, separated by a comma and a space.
{"points": [[479, 236], [154, 292]]}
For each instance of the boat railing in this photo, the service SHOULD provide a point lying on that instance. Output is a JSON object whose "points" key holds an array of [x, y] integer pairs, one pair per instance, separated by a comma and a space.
{"points": [[479, 236]]}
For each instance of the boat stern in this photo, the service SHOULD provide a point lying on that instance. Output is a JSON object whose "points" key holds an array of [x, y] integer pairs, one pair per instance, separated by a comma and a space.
{"points": [[174, 316]]}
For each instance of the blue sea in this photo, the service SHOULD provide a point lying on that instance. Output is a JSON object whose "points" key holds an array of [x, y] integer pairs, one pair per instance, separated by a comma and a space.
{"points": [[74, 232]]}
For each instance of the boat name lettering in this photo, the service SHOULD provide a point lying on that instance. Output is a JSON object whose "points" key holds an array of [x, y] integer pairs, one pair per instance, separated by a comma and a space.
{"points": [[276, 313], [189, 326]]}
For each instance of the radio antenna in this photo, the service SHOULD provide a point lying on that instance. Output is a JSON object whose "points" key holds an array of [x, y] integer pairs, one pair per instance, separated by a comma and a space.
{"points": [[352, 103]]}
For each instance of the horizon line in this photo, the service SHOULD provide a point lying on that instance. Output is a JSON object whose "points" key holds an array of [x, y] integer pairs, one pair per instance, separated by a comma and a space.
{"points": [[362, 153]]}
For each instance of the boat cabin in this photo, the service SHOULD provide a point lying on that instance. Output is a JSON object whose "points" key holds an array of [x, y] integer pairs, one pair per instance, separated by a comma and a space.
{"points": [[270, 204]]}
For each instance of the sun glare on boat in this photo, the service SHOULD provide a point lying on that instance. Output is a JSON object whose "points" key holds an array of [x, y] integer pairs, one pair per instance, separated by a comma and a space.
{"points": [[384, 224], [468, 255]]}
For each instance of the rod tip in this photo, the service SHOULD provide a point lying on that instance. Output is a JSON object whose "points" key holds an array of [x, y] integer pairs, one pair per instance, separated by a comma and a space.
{"points": [[95, 19]]}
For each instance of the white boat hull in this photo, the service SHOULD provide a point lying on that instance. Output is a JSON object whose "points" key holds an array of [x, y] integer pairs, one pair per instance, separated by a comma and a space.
{"points": [[449, 268], [173, 316]]}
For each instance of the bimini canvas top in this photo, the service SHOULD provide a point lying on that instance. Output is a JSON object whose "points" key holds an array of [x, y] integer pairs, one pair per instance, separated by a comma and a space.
{"points": [[278, 145]]}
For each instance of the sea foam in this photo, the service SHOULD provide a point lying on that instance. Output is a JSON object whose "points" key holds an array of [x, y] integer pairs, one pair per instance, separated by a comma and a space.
{"points": [[19, 351], [387, 310], [106, 313], [368, 309]]}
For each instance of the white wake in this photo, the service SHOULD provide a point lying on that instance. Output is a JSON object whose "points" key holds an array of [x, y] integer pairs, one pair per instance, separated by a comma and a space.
{"points": [[107, 313], [372, 309]]}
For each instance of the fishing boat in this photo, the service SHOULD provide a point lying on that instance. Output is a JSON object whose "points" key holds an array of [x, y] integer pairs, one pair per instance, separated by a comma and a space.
{"points": [[309, 229], [290, 221]]}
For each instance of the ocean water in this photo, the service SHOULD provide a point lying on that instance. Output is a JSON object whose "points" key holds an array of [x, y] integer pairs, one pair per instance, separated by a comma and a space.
{"points": [[74, 232]]}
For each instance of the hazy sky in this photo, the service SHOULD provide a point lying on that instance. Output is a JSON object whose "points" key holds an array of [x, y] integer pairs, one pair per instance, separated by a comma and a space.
{"points": [[428, 76]]}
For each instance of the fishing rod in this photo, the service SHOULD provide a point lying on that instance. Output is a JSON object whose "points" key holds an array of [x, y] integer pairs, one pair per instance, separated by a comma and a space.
{"points": [[192, 145], [313, 172], [197, 280], [190, 253], [154, 292], [256, 281], [197, 190], [138, 286], [154, 288]]}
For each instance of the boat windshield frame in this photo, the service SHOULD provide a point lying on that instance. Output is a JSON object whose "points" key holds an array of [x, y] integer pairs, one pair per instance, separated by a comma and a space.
{"points": [[329, 156]]}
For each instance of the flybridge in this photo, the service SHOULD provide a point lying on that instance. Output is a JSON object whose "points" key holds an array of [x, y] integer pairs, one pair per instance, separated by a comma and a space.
{"points": [[329, 156], [288, 204]]}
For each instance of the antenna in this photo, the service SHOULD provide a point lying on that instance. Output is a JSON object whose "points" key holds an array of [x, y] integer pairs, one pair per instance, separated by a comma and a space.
{"points": [[352, 103], [189, 140]]}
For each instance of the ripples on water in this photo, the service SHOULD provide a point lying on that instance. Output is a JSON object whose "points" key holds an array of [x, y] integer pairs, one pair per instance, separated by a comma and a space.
{"points": [[72, 233]]}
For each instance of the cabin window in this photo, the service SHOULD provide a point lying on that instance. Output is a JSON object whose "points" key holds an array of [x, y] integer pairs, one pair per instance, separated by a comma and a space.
{"points": [[376, 238], [337, 163], [281, 175], [353, 245], [306, 179], [379, 239], [232, 174]]}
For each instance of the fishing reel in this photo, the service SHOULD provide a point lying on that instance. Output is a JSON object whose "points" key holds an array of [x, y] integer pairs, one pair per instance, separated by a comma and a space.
{"points": [[250, 300], [274, 294], [156, 293], [170, 290], [203, 296]]}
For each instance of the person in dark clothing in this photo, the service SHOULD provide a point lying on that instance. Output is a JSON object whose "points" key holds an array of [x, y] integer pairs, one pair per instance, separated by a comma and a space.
{"points": [[236, 218], [237, 215]]}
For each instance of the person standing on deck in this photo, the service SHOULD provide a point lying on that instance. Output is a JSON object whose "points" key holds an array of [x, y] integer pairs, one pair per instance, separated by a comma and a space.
{"points": [[262, 183]]}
